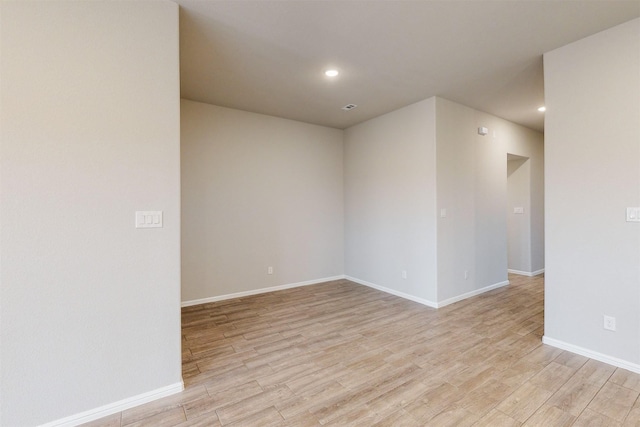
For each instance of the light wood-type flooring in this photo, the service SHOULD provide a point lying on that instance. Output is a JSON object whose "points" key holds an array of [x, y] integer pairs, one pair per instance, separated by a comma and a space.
{"points": [[341, 354]]}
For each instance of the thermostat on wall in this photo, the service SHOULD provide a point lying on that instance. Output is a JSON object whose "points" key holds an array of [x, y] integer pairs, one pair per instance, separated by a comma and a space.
{"points": [[483, 131]]}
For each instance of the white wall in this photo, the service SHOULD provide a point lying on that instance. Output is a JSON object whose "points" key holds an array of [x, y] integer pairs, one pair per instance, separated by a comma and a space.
{"points": [[472, 188], [258, 191], [89, 128], [519, 224], [390, 194], [528, 143], [403, 169], [456, 178], [592, 125]]}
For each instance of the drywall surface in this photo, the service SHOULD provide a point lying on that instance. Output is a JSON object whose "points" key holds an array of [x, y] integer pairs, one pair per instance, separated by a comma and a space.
{"points": [[519, 214], [425, 166], [89, 128], [592, 92], [390, 193], [527, 143], [456, 160], [472, 196], [258, 192]]}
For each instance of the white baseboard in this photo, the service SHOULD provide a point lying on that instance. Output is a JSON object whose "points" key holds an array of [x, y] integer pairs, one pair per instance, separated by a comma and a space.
{"points": [[425, 301], [119, 406], [614, 361], [526, 273], [472, 293], [259, 291], [394, 292]]}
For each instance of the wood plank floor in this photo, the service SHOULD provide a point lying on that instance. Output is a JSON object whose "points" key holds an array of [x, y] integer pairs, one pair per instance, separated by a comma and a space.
{"points": [[339, 354]]}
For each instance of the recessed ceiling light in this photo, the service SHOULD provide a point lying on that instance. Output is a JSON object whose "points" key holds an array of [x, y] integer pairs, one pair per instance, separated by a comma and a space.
{"points": [[331, 73], [542, 109]]}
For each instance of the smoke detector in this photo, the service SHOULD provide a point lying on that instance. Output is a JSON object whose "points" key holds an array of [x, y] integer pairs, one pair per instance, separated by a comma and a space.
{"points": [[349, 107]]}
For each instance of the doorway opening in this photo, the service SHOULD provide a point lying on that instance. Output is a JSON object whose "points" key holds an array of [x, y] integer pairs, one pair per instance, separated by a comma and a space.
{"points": [[519, 215]]}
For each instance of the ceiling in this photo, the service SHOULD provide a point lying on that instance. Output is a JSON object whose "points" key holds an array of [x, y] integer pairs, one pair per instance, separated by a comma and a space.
{"points": [[269, 56]]}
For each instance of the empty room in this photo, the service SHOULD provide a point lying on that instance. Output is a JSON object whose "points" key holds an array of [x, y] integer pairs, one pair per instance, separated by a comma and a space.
{"points": [[319, 213]]}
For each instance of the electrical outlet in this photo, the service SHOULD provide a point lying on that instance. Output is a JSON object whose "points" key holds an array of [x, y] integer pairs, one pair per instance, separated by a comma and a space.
{"points": [[466, 274], [269, 270], [609, 323], [404, 274]]}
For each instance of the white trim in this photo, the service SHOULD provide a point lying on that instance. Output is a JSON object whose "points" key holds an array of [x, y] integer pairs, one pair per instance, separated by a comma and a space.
{"points": [[258, 291], [472, 293], [115, 407], [633, 367], [394, 292], [425, 301], [526, 273]]}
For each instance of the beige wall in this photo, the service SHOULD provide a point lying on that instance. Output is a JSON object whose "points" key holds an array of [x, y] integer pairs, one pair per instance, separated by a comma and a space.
{"points": [[253, 185], [390, 194], [457, 153], [89, 128], [258, 191], [528, 143], [404, 170], [519, 224], [472, 187], [592, 91]]}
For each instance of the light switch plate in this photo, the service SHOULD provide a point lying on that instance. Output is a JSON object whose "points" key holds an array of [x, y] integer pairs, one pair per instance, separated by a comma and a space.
{"points": [[518, 210], [633, 214], [148, 219]]}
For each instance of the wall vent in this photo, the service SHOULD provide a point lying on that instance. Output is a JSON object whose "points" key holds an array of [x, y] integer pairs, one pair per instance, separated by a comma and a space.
{"points": [[349, 107]]}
